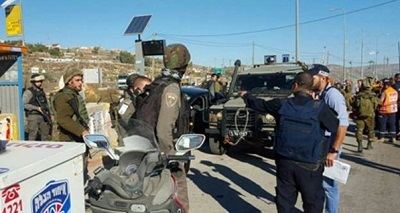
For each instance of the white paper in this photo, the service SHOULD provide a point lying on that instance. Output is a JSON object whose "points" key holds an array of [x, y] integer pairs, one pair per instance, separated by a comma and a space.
{"points": [[123, 109], [339, 171]]}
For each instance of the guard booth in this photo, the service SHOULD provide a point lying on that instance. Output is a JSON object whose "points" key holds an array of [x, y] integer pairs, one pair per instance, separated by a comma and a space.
{"points": [[11, 88]]}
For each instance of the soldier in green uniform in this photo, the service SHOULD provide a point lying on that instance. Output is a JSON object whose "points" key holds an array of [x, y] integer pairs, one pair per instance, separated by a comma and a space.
{"points": [[365, 103], [70, 108], [348, 94]]}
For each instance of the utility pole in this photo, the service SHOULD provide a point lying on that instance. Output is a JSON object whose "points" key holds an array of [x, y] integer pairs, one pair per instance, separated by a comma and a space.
{"points": [[327, 58], [362, 54], [252, 58], [297, 31], [398, 52], [344, 39]]}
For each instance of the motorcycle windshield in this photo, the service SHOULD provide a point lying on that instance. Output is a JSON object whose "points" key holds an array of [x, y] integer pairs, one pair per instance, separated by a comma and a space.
{"points": [[137, 135]]}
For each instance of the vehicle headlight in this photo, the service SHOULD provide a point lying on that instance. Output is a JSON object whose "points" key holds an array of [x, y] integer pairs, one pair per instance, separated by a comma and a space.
{"points": [[269, 118], [219, 116], [216, 116]]}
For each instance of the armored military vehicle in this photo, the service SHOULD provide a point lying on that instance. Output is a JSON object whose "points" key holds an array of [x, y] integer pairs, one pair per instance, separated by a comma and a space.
{"points": [[231, 123]]}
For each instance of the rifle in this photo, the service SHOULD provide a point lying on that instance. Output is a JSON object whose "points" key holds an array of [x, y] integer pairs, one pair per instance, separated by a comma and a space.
{"points": [[45, 110]]}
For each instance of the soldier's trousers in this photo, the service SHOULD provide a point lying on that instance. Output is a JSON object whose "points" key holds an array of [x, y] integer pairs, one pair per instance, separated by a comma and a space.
{"points": [[369, 124], [37, 126]]}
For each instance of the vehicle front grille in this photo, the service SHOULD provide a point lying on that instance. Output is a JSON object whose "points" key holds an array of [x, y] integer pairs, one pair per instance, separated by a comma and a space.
{"points": [[241, 117]]}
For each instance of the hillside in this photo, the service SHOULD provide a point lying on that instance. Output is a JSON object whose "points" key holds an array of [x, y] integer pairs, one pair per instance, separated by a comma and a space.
{"points": [[86, 58]]}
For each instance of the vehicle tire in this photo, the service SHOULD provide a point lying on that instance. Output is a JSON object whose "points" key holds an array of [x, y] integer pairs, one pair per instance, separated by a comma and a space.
{"points": [[216, 146], [186, 165]]}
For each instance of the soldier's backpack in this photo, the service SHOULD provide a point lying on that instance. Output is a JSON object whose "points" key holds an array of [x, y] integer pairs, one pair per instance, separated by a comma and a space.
{"points": [[300, 136], [365, 105]]}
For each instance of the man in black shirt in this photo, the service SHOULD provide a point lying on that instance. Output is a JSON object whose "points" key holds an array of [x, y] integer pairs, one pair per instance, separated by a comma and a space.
{"points": [[299, 165]]}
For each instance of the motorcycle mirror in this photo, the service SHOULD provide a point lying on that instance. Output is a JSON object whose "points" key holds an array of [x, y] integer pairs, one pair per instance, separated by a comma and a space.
{"points": [[96, 141], [101, 142], [190, 142]]}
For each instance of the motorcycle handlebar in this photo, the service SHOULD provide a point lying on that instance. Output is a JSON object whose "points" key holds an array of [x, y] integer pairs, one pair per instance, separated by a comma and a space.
{"points": [[181, 157]]}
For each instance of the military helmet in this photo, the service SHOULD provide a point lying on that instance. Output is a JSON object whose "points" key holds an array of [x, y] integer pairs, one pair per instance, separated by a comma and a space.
{"points": [[70, 73], [176, 56], [130, 80], [367, 84], [37, 77]]}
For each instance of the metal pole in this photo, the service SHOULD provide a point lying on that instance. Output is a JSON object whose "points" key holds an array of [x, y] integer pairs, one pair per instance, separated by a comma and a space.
{"points": [[362, 54], [297, 31], [398, 52], [22, 20], [344, 43], [344, 39], [139, 57], [376, 64], [252, 58]]}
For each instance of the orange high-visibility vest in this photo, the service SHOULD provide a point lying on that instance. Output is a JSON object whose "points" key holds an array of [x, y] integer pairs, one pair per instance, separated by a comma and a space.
{"points": [[389, 103]]}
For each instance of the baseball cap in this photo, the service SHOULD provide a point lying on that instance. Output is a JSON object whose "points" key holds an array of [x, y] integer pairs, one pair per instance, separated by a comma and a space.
{"points": [[319, 69], [386, 80]]}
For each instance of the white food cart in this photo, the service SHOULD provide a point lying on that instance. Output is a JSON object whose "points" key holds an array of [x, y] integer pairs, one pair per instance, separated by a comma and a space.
{"points": [[42, 177]]}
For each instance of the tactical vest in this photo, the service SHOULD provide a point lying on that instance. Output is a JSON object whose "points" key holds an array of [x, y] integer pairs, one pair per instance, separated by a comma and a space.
{"points": [[149, 104], [300, 136], [38, 95]]}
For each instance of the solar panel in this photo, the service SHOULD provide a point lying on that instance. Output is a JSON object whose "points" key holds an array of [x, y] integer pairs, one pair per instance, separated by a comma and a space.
{"points": [[137, 25]]}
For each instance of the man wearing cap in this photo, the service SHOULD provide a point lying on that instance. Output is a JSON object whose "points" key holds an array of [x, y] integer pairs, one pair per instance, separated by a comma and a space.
{"points": [[37, 110], [161, 106], [70, 108], [296, 171], [326, 92]]}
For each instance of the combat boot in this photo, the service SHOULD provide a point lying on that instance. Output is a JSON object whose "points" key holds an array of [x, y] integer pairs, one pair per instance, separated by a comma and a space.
{"points": [[369, 145], [360, 146]]}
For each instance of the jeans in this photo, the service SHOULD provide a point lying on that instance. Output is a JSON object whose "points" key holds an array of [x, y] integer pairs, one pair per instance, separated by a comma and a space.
{"points": [[331, 192]]}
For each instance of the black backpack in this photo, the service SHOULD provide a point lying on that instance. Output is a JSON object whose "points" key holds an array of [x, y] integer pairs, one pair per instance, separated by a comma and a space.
{"points": [[300, 136]]}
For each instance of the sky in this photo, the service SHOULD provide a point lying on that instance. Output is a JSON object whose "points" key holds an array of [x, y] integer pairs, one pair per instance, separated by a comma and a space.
{"points": [[217, 32]]}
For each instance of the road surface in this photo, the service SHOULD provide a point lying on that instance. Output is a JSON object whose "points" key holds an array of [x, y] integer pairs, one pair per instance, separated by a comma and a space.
{"points": [[244, 180]]}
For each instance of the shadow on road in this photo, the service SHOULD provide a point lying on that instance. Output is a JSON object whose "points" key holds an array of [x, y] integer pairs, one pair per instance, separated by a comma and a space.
{"points": [[255, 161], [221, 191], [371, 164], [242, 181]]}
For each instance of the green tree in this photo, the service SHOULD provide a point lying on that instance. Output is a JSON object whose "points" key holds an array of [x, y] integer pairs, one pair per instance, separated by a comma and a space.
{"points": [[96, 50], [55, 52], [126, 57], [37, 48]]}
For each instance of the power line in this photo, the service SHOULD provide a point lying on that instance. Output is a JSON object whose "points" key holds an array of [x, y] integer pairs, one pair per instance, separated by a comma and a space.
{"points": [[286, 26]]}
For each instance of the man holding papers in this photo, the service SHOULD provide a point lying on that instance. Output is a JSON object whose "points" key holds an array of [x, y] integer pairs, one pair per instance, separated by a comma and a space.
{"points": [[300, 146]]}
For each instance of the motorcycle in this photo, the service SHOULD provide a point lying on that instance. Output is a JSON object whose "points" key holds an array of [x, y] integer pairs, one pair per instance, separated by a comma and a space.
{"points": [[141, 178]]}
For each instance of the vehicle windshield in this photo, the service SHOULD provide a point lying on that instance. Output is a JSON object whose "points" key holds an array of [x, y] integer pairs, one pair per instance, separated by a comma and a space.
{"points": [[136, 134], [264, 83]]}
